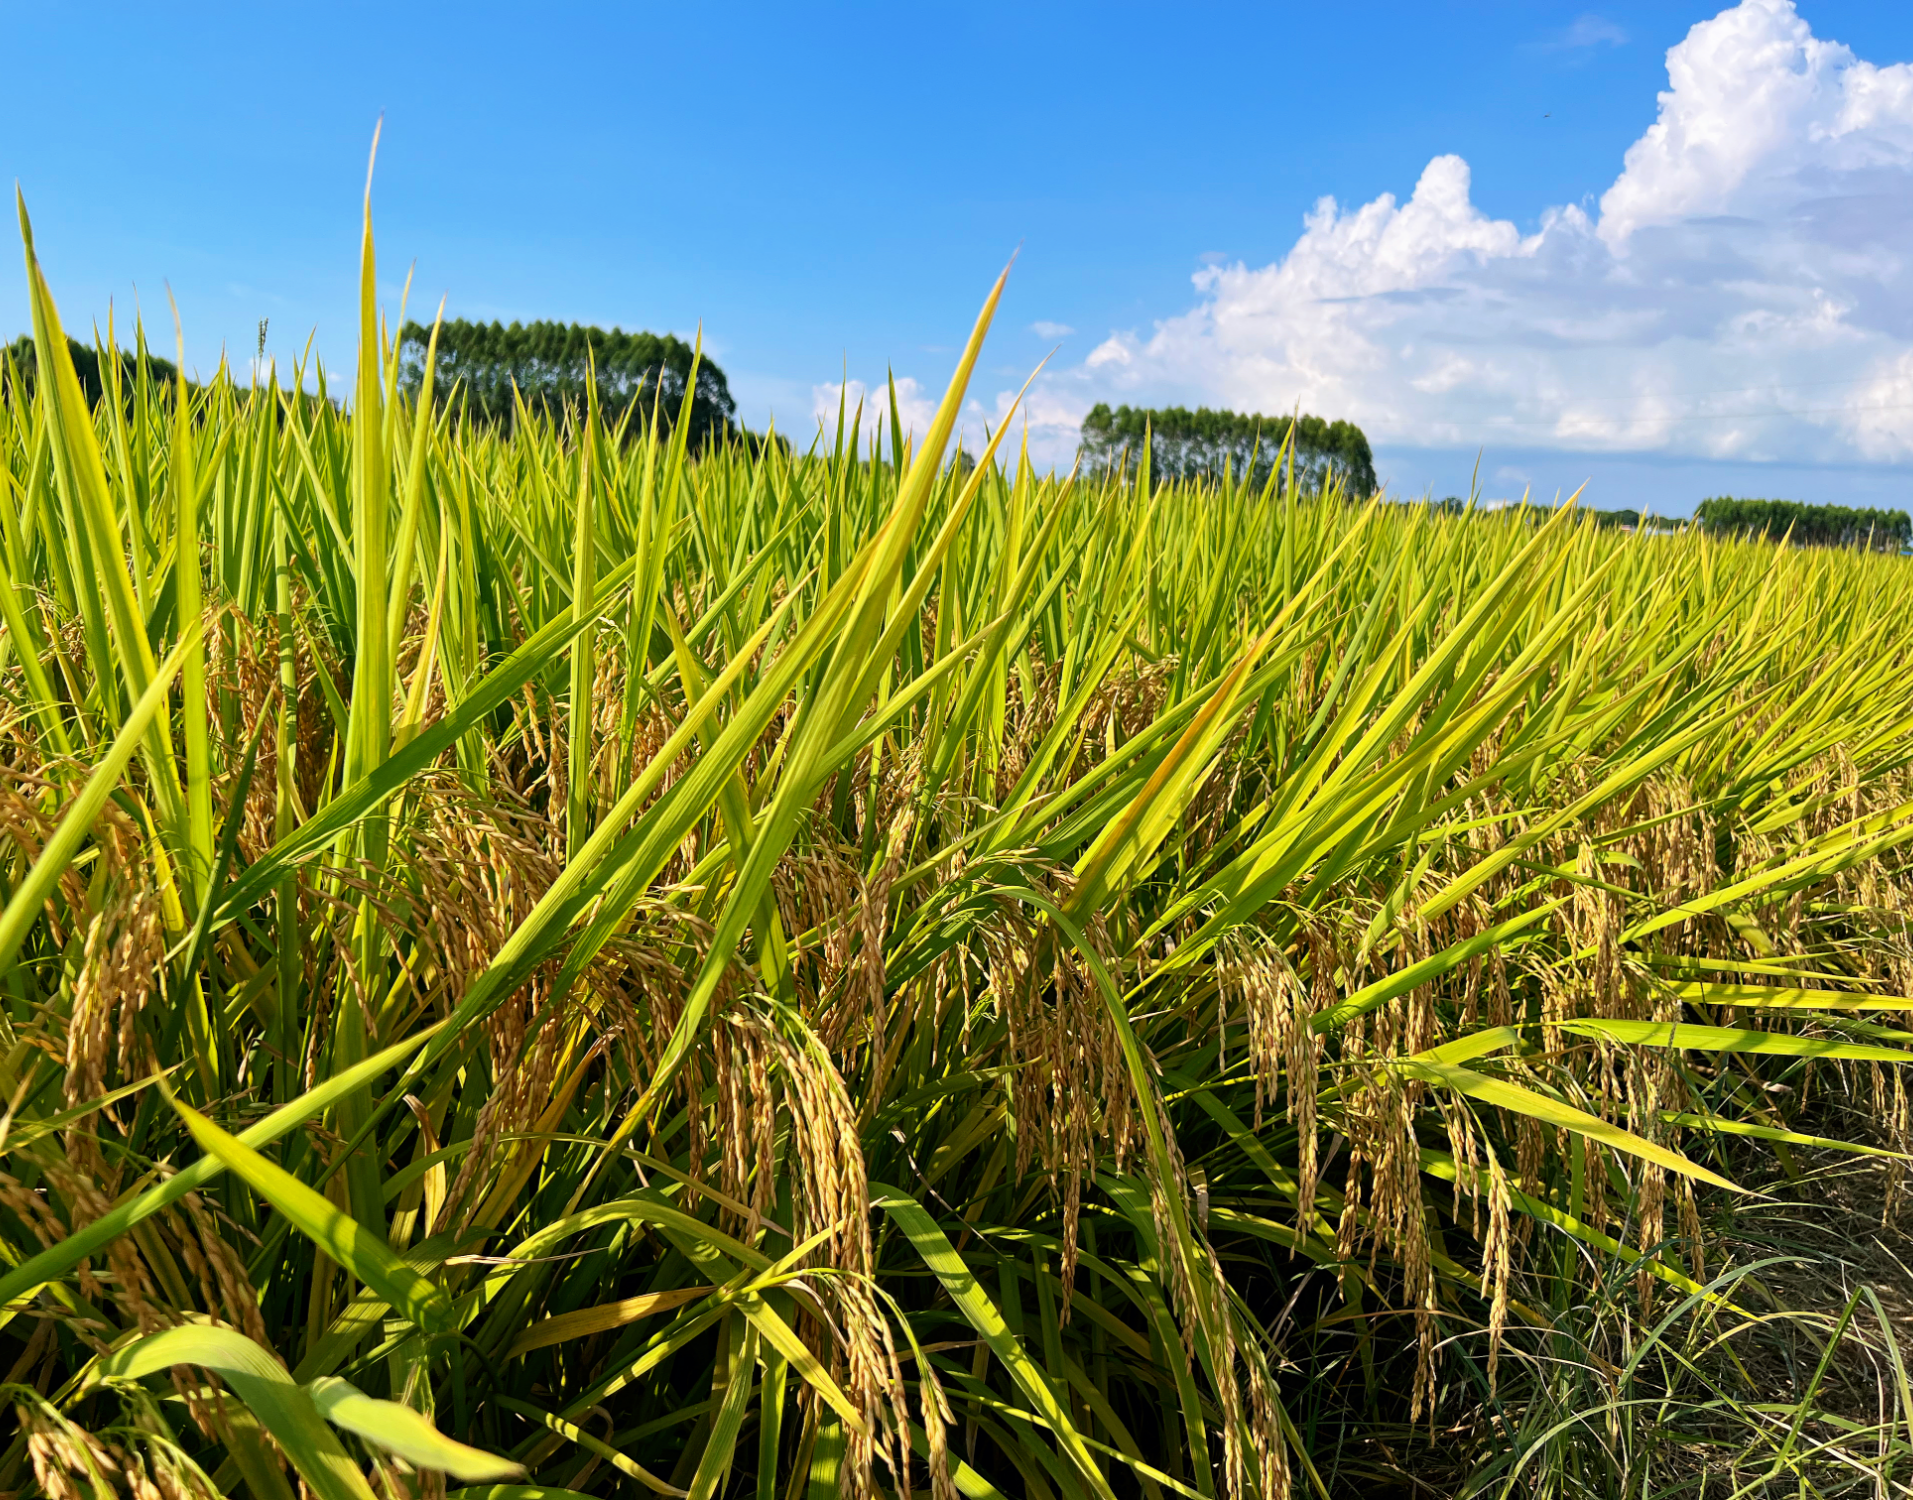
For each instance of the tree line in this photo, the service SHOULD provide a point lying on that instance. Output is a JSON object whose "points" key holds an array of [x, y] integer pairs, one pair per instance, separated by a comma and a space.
{"points": [[1808, 525], [556, 366], [22, 364], [1204, 443]]}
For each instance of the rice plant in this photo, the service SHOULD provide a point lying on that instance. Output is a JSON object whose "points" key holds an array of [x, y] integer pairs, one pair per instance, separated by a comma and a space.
{"points": [[542, 963]]}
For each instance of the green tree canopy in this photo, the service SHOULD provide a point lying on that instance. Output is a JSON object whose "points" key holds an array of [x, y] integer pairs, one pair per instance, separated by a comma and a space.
{"points": [[1199, 444], [1809, 525], [87, 364], [552, 366]]}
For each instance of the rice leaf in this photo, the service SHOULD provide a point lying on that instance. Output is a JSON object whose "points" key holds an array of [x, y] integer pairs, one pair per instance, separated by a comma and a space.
{"points": [[348, 1242], [401, 1430], [285, 1408], [1504, 1095]]}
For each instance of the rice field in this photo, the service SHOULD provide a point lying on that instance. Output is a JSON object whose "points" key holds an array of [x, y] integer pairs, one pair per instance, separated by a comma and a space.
{"points": [[542, 963]]}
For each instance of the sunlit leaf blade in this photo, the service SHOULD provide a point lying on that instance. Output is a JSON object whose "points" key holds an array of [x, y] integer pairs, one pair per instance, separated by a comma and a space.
{"points": [[1732, 1039], [77, 819], [402, 1431], [1505, 1095], [348, 1242], [285, 1408], [57, 1260], [934, 1248]]}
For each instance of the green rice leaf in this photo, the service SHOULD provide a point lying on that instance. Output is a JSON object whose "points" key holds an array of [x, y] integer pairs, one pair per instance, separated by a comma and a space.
{"points": [[342, 1237], [76, 822], [935, 1250], [283, 1407], [405, 1432], [57, 1260]]}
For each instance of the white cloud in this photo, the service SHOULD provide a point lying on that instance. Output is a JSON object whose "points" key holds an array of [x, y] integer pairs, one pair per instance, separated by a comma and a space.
{"points": [[1044, 329], [915, 407], [1744, 288], [1049, 417]]}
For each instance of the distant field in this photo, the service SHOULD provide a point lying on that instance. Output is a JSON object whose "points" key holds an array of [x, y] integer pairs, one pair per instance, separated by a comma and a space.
{"points": [[549, 963]]}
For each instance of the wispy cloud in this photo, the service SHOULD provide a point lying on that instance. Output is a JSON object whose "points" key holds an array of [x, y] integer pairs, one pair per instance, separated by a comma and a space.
{"points": [[1589, 31], [1044, 329]]}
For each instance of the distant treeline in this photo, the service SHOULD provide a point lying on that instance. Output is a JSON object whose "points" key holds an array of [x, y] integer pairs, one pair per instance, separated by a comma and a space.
{"points": [[1201, 444], [21, 362], [1624, 520], [553, 366], [1808, 525]]}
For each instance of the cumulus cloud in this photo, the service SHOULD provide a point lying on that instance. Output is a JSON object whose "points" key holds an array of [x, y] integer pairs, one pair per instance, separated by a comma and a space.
{"points": [[1742, 289]]}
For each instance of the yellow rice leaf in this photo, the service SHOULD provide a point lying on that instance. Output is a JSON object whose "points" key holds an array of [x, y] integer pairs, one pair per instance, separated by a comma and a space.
{"points": [[600, 1319], [1504, 1095]]}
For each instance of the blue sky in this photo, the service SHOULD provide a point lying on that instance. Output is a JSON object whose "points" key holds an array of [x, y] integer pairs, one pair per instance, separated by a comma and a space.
{"points": [[830, 189]]}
